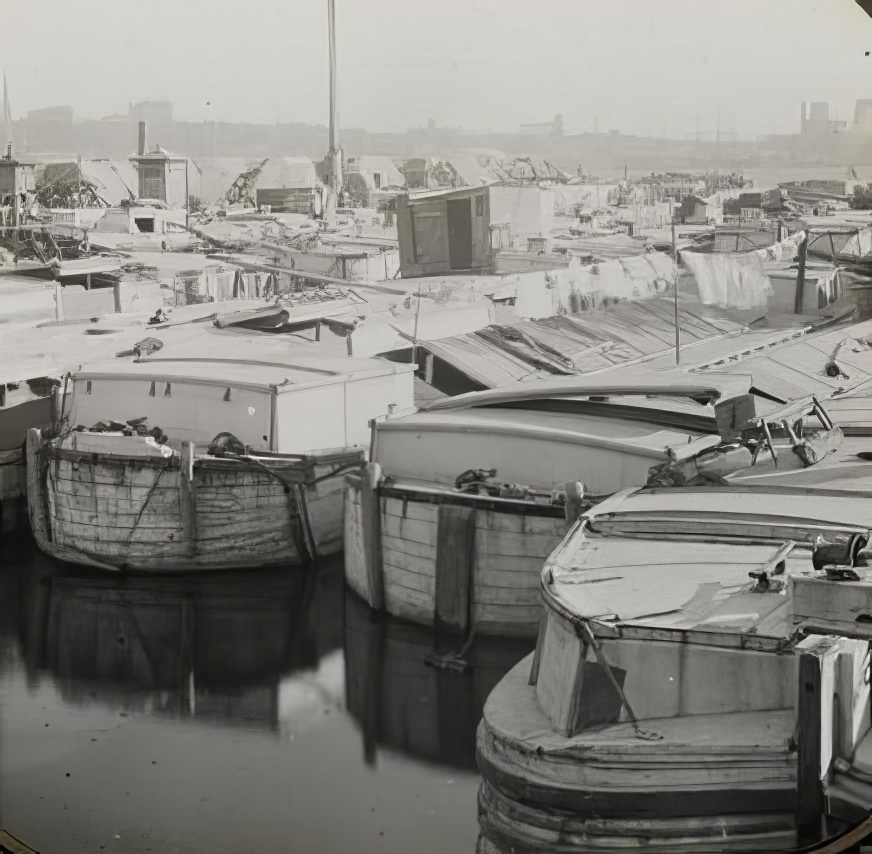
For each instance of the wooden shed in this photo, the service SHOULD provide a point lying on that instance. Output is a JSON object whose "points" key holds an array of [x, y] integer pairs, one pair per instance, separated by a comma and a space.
{"points": [[444, 231]]}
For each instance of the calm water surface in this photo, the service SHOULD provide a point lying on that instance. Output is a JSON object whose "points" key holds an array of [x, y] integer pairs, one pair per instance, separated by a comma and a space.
{"points": [[264, 711]]}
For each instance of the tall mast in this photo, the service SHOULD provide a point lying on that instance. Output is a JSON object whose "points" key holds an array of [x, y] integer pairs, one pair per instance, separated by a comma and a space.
{"points": [[7, 114], [333, 152]]}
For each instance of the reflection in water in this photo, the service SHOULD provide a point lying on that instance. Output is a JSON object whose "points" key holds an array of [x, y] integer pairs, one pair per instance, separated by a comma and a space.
{"points": [[110, 688], [404, 703], [211, 646]]}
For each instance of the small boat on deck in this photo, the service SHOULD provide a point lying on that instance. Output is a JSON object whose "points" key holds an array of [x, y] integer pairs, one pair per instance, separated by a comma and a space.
{"points": [[207, 460], [451, 520], [698, 683]]}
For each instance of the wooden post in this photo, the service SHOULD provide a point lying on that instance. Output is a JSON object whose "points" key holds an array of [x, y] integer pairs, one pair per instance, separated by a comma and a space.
{"points": [[59, 301], [800, 276], [318, 330], [188, 497], [817, 664], [36, 499], [809, 792], [455, 559], [370, 520]]}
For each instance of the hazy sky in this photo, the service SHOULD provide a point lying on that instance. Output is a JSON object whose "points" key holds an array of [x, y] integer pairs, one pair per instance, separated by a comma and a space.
{"points": [[641, 66]]}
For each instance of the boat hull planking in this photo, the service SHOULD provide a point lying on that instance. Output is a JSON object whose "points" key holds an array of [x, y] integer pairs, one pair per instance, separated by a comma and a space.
{"points": [[152, 514], [410, 562]]}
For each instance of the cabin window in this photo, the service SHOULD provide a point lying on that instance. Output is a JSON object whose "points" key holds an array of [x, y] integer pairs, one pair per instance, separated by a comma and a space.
{"points": [[145, 224], [376, 180], [227, 394], [168, 390], [151, 390], [87, 387], [151, 181]]}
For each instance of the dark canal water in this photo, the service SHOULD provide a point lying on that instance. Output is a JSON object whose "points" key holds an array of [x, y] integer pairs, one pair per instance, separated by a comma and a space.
{"points": [[260, 711]]}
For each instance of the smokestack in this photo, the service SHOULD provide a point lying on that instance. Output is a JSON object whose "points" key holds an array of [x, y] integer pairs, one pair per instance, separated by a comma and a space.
{"points": [[141, 147]]}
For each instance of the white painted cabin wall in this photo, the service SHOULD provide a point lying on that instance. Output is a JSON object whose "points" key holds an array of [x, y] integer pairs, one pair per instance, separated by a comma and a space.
{"points": [[440, 456], [372, 397], [310, 419], [664, 679], [193, 411], [673, 679]]}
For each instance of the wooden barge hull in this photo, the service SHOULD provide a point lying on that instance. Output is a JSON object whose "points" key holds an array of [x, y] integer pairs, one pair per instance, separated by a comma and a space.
{"points": [[437, 557], [186, 512], [609, 790]]}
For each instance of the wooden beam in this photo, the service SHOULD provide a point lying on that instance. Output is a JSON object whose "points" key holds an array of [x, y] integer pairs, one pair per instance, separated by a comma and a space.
{"points": [[455, 557], [810, 800], [370, 517]]}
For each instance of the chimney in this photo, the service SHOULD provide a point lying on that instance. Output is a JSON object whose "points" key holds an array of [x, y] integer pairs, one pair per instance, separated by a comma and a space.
{"points": [[141, 147]]}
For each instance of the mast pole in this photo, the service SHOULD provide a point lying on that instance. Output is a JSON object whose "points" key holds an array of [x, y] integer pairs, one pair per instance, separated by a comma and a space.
{"points": [[333, 151], [675, 282]]}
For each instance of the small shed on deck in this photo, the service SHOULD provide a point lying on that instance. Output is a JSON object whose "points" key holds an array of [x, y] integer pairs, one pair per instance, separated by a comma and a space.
{"points": [[444, 231]]}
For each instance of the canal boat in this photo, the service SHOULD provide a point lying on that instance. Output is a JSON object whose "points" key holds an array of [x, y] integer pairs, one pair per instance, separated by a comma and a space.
{"points": [[231, 455], [698, 682], [451, 520]]}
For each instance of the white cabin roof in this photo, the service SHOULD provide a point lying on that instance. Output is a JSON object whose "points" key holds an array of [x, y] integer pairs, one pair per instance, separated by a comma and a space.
{"points": [[629, 435], [636, 384], [679, 559], [657, 583], [257, 373], [770, 512]]}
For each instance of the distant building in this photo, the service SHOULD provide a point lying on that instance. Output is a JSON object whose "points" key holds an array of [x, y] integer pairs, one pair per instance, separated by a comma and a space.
{"points": [[816, 120], [51, 114], [552, 128], [153, 112], [48, 129], [166, 177], [17, 189], [863, 113]]}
